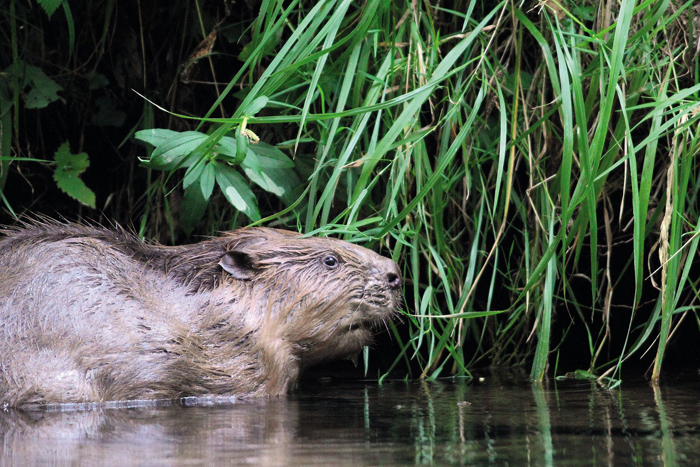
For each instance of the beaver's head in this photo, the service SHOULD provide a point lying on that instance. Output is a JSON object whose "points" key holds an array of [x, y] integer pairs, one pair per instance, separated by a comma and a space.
{"points": [[322, 297]]}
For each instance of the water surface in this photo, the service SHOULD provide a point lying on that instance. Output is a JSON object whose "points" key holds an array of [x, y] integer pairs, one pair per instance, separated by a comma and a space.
{"points": [[495, 421]]}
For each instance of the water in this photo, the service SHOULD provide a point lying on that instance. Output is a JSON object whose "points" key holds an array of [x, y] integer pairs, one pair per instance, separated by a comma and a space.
{"points": [[497, 421]]}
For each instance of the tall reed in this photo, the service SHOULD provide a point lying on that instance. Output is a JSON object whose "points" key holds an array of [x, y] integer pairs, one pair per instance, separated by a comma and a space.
{"points": [[527, 166]]}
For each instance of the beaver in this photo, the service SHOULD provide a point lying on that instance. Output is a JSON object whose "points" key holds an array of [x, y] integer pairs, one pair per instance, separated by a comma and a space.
{"points": [[93, 314]]}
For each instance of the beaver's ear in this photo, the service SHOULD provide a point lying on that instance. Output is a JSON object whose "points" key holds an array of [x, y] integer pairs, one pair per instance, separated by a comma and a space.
{"points": [[240, 265]]}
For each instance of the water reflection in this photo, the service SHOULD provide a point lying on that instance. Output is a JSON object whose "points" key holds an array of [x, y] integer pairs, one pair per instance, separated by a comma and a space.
{"points": [[499, 421]]}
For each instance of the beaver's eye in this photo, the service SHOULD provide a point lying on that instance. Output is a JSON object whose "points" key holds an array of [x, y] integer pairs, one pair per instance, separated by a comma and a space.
{"points": [[330, 261]]}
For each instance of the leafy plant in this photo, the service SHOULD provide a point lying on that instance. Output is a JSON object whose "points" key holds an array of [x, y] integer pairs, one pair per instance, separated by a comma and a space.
{"points": [[50, 6], [68, 169], [218, 159], [37, 89]]}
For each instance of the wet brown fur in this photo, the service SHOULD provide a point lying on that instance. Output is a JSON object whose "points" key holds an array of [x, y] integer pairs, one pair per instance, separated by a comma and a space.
{"points": [[91, 314]]}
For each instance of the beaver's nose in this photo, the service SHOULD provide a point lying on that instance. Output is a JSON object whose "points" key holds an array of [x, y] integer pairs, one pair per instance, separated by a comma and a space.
{"points": [[393, 275], [394, 280]]}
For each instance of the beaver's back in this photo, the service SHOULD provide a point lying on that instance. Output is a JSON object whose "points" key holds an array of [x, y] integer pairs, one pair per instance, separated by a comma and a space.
{"points": [[73, 301]]}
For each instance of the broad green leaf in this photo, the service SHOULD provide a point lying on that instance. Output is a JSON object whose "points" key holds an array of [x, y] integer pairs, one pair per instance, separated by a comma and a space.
{"points": [[272, 171], [236, 190], [206, 181], [43, 90], [194, 172], [252, 163], [168, 155], [271, 180], [156, 136], [270, 156], [68, 169], [285, 183], [227, 146], [49, 6]]}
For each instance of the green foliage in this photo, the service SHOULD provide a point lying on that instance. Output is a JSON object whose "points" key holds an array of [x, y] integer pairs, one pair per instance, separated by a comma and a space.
{"points": [[534, 171], [213, 158], [37, 89], [49, 6], [68, 169], [25, 86], [43, 90]]}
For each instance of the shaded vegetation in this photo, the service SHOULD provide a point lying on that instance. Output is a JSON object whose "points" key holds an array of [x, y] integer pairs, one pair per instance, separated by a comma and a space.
{"points": [[533, 167]]}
